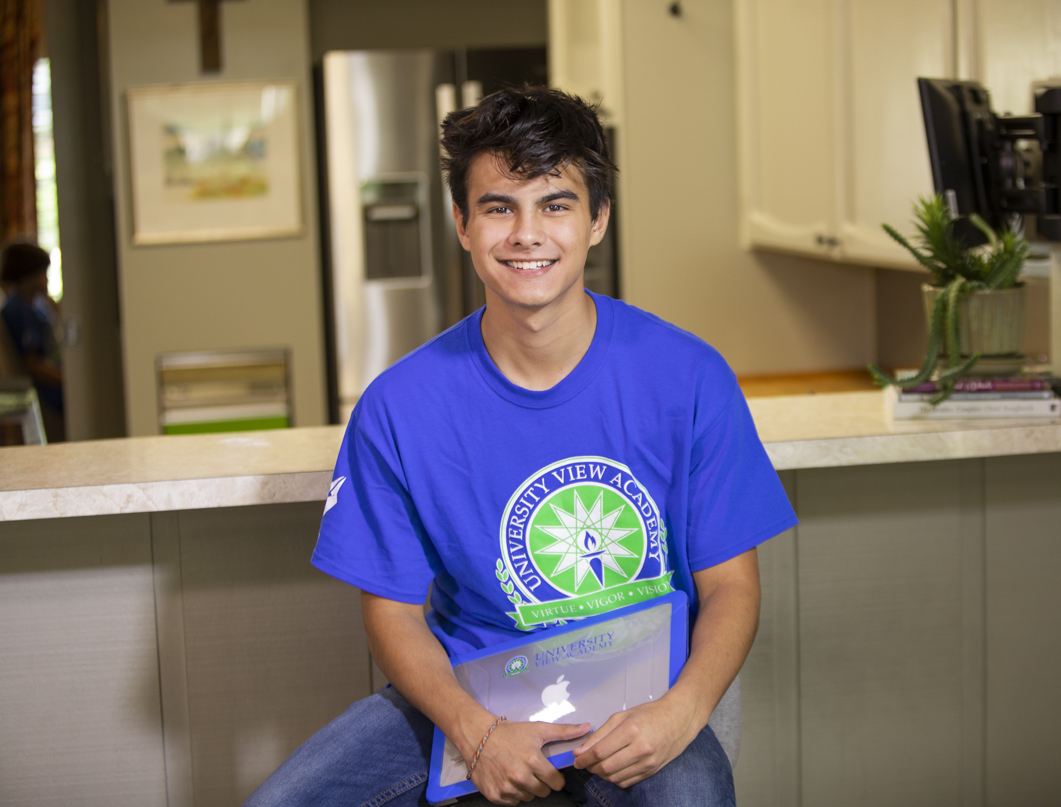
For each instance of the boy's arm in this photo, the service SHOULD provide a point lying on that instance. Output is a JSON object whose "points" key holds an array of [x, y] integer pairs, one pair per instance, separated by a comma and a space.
{"points": [[41, 370], [512, 766], [634, 744]]}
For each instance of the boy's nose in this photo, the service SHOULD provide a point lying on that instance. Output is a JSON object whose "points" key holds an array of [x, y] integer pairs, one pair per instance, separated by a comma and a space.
{"points": [[527, 231]]}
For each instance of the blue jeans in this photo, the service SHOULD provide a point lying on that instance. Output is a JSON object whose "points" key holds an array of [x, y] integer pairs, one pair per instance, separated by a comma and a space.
{"points": [[377, 753]]}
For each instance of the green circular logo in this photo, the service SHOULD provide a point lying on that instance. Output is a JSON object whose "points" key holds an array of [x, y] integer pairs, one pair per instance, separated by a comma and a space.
{"points": [[580, 537], [585, 538], [516, 665]]}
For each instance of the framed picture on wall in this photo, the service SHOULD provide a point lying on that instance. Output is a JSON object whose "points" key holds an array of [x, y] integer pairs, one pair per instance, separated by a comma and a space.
{"points": [[214, 162]]}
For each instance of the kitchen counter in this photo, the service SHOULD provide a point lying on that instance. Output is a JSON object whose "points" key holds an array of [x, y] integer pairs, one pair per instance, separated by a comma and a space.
{"points": [[154, 474], [158, 598], [851, 428]]}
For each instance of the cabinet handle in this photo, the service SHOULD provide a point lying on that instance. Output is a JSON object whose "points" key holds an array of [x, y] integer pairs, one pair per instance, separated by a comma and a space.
{"points": [[827, 240]]}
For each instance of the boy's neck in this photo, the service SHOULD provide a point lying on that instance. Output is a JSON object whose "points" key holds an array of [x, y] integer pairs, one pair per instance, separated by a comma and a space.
{"points": [[537, 348]]}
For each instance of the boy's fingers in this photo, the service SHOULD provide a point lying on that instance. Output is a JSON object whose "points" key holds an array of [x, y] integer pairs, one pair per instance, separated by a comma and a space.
{"points": [[550, 733], [523, 771], [607, 747], [590, 751], [592, 740], [548, 775], [610, 725], [621, 765]]}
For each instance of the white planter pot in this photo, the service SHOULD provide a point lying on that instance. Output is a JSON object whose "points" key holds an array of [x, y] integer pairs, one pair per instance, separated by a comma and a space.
{"points": [[991, 322]]}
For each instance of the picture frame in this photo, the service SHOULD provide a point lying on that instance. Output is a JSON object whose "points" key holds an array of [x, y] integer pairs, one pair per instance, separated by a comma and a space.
{"points": [[214, 162]]}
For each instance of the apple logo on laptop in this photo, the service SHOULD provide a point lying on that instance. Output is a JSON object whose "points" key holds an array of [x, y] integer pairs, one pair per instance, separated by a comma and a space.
{"points": [[555, 699], [555, 693]]}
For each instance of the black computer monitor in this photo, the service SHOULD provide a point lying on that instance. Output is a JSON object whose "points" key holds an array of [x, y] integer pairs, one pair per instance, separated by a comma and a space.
{"points": [[989, 164], [1048, 104]]}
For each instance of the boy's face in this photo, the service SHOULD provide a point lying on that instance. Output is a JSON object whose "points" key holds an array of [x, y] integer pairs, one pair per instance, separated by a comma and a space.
{"points": [[33, 285], [528, 238]]}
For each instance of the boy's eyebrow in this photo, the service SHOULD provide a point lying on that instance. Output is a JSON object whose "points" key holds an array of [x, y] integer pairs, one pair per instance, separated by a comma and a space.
{"points": [[552, 197], [495, 198], [503, 199]]}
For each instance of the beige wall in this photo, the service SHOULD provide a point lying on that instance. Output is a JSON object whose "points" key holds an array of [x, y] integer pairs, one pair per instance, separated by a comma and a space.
{"points": [[364, 24], [766, 313], [239, 294]]}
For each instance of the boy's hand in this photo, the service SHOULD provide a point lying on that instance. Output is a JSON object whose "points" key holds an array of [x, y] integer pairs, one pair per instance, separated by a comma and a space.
{"points": [[634, 744], [512, 768]]}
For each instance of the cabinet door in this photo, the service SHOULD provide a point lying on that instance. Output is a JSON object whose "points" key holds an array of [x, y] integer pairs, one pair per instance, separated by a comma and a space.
{"points": [[786, 112], [890, 599], [585, 53], [1023, 616], [1018, 44], [885, 45]]}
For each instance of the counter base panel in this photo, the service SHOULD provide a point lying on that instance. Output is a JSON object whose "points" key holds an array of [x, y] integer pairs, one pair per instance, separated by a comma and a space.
{"points": [[907, 652]]}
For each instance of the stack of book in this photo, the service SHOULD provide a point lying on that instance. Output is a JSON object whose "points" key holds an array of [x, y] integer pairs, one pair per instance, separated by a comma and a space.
{"points": [[982, 397]]}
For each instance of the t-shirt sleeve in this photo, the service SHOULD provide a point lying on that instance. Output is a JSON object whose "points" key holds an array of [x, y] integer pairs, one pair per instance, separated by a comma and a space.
{"points": [[736, 498], [371, 535]]}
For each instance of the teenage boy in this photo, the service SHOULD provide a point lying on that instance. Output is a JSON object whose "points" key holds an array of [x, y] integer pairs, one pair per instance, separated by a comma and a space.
{"points": [[551, 450]]}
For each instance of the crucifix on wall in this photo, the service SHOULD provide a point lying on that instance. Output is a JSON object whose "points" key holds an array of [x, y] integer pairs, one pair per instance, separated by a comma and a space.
{"points": [[209, 34]]}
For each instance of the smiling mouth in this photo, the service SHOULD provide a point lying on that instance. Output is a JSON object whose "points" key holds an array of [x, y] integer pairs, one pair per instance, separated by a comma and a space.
{"points": [[529, 264]]}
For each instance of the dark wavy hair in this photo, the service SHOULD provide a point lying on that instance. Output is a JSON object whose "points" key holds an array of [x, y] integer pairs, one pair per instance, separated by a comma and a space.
{"points": [[532, 131], [21, 260]]}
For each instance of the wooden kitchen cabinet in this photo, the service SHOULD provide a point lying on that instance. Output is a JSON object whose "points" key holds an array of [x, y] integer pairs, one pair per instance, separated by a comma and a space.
{"points": [[788, 127], [882, 49], [1017, 42], [585, 53], [830, 128], [830, 122]]}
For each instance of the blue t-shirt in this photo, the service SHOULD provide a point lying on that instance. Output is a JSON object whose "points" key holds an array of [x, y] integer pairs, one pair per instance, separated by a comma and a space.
{"points": [[32, 330], [528, 507]]}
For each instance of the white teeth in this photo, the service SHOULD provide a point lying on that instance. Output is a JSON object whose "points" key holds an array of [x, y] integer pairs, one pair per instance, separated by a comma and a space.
{"points": [[528, 264]]}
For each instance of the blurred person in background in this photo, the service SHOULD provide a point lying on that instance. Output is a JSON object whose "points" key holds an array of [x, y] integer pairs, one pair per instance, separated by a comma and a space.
{"points": [[30, 317]]}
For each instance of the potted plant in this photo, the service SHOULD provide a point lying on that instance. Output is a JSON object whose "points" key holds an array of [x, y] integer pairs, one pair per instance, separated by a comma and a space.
{"points": [[974, 302]]}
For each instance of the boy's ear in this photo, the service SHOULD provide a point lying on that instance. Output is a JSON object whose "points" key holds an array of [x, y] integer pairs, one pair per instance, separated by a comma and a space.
{"points": [[462, 231], [600, 224]]}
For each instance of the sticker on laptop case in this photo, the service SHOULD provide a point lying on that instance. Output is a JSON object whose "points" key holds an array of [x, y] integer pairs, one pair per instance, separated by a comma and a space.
{"points": [[515, 666]]}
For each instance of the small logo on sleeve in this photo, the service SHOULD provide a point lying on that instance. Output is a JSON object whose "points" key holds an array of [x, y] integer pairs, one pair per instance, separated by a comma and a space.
{"points": [[333, 494]]}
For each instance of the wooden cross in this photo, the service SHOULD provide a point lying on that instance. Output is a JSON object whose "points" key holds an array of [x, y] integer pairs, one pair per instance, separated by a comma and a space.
{"points": [[209, 34]]}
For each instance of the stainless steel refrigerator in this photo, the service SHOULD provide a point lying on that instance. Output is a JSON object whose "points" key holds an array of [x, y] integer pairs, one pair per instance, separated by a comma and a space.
{"points": [[395, 274]]}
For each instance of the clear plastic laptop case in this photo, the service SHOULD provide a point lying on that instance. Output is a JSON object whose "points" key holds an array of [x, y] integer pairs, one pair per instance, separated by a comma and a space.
{"points": [[581, 672]]}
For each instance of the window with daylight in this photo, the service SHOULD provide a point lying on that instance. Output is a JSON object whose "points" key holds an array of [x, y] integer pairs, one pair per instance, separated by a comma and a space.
{"points": [[44, 172]]}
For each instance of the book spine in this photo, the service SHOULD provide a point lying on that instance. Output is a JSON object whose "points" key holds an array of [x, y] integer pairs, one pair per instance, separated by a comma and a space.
{"points": [[910, 410], [981, 396], [988, 385]]}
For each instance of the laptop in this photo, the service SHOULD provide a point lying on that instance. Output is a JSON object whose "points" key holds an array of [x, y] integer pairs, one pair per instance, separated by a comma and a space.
{"points": [[581, 672]]}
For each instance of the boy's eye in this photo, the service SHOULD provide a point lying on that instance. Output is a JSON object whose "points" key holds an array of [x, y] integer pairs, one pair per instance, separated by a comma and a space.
{"points": [[554, 208]]}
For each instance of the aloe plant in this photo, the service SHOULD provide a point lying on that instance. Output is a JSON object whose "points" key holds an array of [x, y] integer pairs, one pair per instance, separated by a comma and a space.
{"points": [[959, 271]]}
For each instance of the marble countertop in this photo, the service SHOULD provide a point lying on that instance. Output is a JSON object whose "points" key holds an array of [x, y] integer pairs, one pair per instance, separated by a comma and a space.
{"points": [[150, 474]]}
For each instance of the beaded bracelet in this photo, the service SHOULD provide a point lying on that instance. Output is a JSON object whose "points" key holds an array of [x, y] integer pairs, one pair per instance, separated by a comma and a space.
{"points": [[482, 745]]}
